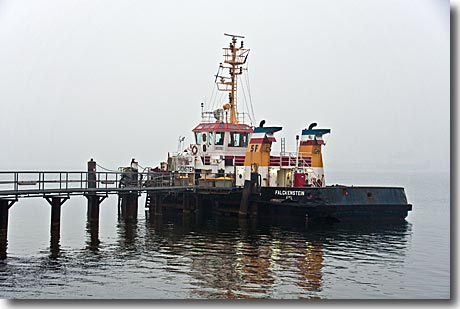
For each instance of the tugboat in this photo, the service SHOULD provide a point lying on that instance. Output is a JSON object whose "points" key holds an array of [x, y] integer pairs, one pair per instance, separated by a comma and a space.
{"points": [[230, 166]]}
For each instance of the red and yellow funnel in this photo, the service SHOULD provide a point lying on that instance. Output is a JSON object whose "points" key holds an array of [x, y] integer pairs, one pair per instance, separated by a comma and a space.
{"points": [[311, 143]]}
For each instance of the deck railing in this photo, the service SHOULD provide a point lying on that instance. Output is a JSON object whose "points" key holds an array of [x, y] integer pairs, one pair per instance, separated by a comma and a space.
{"points": [[14, 183]]}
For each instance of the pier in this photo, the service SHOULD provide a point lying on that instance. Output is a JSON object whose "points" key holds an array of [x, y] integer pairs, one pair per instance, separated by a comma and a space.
{"points": [[56, 187]]}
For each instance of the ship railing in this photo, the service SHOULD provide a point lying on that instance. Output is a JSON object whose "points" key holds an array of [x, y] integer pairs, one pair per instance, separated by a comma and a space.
{"points": [[242, 117], [291, 159], [207, 117]]}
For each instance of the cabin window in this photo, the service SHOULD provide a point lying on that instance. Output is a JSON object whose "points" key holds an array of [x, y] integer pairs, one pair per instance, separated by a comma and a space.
{"points": [[210, 138], [234, 139], [198, 138], [238, 139], [244, 139], [219, 138]]}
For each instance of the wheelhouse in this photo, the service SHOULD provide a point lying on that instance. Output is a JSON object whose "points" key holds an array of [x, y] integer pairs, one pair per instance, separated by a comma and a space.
{"points": [[222, 136]]}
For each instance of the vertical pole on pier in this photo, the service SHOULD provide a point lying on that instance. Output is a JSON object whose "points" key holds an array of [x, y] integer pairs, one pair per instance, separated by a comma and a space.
{"points": [[94, 202], [93, 199], [128, 201], [4, 207]]}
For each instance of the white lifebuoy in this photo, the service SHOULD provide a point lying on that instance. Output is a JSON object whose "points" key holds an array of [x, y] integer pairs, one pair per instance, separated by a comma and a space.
{"points": [[194, 149]]}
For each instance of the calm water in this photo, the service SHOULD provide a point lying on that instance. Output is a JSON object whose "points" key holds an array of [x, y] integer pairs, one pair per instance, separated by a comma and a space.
{"points": [[221, 257]]}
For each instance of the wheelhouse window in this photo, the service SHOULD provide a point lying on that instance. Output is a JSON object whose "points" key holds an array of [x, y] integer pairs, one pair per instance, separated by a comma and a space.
{"points": [[204, 138], [219, 138], [198, 138], [238, 139], [244, 139]]}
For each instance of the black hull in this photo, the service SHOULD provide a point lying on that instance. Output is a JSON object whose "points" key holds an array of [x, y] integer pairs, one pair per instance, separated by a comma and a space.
{"points": [[334, 203], [339, 203]]}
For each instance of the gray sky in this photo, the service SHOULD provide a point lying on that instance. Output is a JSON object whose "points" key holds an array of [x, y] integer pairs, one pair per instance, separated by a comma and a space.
{"points": [[114, 80]]}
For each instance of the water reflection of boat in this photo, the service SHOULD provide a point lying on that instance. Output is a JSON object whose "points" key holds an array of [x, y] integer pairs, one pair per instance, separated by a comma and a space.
{"points": [[232, 258]]}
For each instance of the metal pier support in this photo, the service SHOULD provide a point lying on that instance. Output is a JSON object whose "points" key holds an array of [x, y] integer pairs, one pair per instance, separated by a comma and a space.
{"points": [[4, 207], [55, 230], [128, 205], [94, 202]]}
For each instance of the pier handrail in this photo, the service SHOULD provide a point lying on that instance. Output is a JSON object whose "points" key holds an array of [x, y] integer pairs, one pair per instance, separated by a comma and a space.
{"points": [[25, 183]]}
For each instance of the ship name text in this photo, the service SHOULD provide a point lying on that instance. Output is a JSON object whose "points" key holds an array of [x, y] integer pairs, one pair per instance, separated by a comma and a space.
{"points": [[290, 192]]}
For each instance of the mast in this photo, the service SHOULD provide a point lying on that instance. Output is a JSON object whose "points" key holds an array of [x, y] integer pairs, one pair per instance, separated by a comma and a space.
{"points": [[234, 58]]}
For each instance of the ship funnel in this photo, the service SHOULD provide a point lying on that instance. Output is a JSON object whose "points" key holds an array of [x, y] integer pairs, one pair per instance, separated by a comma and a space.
{"points": [[257, 159], [311, 142]]}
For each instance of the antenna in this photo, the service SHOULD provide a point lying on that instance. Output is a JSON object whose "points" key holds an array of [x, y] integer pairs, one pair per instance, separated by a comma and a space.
{"points": [[234, 35], [234, 58]]}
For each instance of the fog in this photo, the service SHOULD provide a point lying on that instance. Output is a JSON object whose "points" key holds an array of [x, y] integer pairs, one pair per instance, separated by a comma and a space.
{"points": [[115, 80]]}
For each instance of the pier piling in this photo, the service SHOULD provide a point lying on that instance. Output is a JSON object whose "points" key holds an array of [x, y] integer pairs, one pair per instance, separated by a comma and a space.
{"points": [[56, 203], [186, 205], [198, 203], [248, 205], [4, 208], [244, 204], [129, 206], [155, 209], [94, 200]]}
